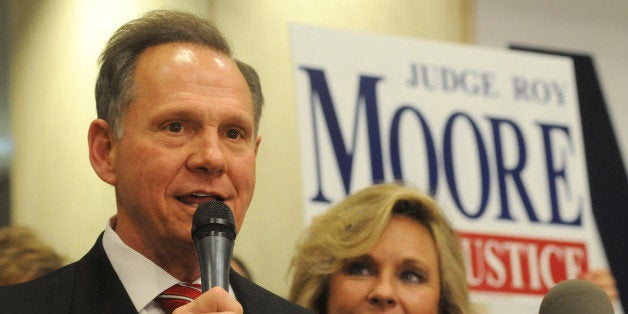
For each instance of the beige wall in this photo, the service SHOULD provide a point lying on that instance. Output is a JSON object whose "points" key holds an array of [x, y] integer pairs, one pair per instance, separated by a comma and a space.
{"points": [[55, 44], [53, 68]]}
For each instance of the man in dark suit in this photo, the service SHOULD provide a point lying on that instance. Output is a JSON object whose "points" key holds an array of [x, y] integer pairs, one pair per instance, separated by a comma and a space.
{"points": [[177, 126]]}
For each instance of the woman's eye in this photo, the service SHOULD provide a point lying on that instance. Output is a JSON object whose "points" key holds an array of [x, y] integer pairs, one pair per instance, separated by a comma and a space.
{"points": [[175, 127], [357, 269], [412, 276]]}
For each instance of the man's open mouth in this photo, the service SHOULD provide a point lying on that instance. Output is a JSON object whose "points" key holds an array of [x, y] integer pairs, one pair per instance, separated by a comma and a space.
{"points": [[197, 198]]}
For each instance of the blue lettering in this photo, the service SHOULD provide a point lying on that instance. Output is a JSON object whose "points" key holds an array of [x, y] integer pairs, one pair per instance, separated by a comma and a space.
{"points": [[513, 172], [430, 149], [449, 166], [554, 173], [344, 156]]}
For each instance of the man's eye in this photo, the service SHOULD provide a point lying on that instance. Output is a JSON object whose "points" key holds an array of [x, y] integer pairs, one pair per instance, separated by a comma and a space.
{"points": [[234, 134], [175, 127]]}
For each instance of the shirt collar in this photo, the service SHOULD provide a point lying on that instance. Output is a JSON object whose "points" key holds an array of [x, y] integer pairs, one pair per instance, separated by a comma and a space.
{"points": [[142, 279]]}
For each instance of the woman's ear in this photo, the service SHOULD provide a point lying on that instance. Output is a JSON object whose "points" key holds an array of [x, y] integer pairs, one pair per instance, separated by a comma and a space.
{"points": [[101, 150]]}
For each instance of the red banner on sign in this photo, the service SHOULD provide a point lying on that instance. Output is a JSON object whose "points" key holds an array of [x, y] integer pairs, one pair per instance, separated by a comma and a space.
{"points": [[520, 265]]}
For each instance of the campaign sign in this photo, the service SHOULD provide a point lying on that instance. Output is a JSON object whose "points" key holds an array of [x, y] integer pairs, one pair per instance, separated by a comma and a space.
{"points": [[494, 135]]}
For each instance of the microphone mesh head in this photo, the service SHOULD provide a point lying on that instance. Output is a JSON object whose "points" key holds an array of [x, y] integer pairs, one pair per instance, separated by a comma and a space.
{"points": [[576, 296], [213, 218]]}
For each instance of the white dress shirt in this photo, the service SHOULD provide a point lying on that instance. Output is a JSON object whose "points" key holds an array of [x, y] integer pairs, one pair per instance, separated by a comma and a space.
{"points": [[143, 280]]}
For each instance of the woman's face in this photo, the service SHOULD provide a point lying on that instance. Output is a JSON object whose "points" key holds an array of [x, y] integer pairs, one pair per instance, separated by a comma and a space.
{"points": [[398, 275]]}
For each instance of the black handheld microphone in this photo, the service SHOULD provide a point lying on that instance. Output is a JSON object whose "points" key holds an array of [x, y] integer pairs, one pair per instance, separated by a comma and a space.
{"points": [[213, 231], [576, 296]]}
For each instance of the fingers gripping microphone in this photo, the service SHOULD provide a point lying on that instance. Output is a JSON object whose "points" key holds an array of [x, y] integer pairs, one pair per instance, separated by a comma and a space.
{"points": [[213, 231], [576, 296]]}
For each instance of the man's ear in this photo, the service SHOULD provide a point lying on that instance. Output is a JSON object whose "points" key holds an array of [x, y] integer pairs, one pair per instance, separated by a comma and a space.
{"points": [[258, 139], [101, 150]]}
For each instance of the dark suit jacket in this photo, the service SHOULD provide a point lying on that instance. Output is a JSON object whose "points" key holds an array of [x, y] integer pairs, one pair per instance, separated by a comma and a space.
{"points": [[91, 285]]}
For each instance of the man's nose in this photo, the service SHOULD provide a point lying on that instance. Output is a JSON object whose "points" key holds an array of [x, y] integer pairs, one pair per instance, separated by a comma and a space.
{"points": [[208, 155]]}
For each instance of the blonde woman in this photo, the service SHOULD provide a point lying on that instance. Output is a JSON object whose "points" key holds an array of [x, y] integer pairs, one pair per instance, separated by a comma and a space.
{"points": [[24, 256], [385, 247]]}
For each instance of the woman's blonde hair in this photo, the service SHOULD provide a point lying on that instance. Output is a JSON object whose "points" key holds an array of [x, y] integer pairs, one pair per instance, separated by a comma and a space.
{"points": [[23, 256], [352, 227]]}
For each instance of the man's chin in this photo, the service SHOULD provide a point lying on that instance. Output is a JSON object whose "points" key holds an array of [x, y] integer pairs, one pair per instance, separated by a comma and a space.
{"points": [[183, 241]]}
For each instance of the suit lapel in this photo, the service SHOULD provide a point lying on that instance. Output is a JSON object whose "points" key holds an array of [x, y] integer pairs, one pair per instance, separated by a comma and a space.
{"points": [[244, 292], [97, 286]]}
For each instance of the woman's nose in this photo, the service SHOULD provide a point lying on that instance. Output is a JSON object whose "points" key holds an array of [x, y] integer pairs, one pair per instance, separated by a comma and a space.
{"points": [[383, 295]]}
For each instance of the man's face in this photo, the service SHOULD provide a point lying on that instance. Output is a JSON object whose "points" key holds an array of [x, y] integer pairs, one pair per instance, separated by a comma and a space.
{"points": [[188, 137]]}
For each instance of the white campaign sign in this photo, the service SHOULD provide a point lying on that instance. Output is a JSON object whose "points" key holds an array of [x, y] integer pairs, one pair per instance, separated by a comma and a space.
{"points": [[494, 135]]}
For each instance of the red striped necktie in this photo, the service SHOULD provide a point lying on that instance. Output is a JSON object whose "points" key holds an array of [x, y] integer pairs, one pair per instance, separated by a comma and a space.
{"points": [[178, 295]]}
